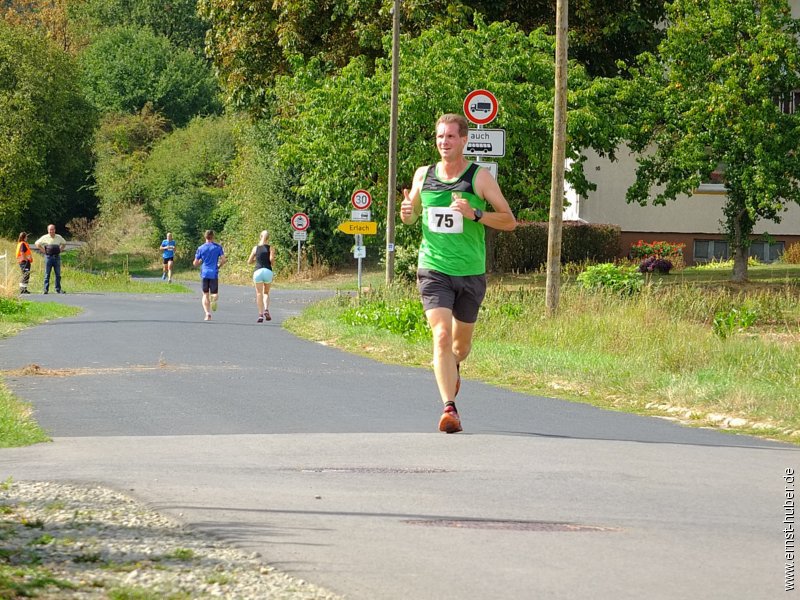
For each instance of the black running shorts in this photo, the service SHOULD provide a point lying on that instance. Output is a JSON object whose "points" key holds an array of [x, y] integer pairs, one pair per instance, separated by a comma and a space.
{"points": [[462, 295], [210, 286]]}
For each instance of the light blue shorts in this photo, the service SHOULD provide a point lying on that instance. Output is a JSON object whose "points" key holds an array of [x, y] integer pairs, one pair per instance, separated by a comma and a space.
{"points": [[262, 276]]}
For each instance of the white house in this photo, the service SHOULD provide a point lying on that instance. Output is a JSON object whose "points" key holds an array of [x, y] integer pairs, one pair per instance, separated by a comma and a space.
{"points": [[694, 221]]}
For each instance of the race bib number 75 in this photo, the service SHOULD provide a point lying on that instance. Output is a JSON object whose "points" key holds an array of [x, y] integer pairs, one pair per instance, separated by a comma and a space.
{"points": [[443, 219]]}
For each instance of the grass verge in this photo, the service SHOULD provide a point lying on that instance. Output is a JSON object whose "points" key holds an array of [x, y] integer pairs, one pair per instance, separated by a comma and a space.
{"points": [[17, 426], [654, 353]]}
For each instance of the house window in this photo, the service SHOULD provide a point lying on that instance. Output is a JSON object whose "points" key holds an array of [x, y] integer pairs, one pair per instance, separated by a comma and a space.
{"points": [[715, 183], [790, 103], [766, 252], [708, 250]]}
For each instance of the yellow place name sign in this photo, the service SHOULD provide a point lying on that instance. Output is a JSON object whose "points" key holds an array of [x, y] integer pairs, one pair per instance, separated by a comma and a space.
{"points": [[359, 227]]}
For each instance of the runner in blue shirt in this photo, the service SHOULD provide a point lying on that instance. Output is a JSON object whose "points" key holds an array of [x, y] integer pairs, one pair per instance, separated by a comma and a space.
{"points": [[211, 256], [168, 255]]}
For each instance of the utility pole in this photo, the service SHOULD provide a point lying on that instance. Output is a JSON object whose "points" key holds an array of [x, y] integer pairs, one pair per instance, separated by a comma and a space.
{"points": [[392, 184], [553, 284]]}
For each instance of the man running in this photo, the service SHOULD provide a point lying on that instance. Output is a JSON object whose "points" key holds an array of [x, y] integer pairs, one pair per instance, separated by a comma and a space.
{"points": [[212, 257], [168, 256], [451, 197]]}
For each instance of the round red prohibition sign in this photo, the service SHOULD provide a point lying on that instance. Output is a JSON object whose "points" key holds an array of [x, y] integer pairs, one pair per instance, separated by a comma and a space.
{"points": [[300, 221], [480, 107], [361, 199]]}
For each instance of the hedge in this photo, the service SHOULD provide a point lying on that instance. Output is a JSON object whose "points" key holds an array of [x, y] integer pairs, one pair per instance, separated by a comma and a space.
{"points": [[525, 248]]}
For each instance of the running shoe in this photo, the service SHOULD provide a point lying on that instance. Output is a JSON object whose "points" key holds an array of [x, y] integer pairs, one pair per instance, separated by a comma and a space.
{"points": [[208, 317], [260, 319], [164, 277], [450, 421], [214, 305], [267, 316]]}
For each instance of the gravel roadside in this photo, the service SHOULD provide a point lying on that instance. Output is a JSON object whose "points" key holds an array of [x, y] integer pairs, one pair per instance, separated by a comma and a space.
{"points": [[72, 541]]}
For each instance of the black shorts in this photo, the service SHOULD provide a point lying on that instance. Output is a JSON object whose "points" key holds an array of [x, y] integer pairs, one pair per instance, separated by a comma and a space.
{"points": [[168, 260], [462, 295], [210, 286]]}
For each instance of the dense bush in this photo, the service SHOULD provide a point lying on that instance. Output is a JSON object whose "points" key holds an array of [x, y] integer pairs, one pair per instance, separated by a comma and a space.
{"points": [[126, 68], [405, 263], [184, 181], [791, 255], [45, 130], [612, 278], [525, 248], [642, 249], [654, 264], [402, 317]]}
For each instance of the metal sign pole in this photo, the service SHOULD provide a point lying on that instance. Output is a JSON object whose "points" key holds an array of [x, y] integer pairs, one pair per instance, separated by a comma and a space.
{"points": [[298, 256], [359, 242]]}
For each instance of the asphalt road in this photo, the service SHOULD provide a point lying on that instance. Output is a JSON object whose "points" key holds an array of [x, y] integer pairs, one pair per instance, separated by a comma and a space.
{"points": [[331, 467]]}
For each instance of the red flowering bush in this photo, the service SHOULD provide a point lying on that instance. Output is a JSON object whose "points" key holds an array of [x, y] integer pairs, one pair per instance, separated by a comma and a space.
{"points": [[655, 256]]}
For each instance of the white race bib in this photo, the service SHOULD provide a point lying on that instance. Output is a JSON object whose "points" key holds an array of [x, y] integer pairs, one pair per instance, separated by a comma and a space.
{"points": [[443, 219]]}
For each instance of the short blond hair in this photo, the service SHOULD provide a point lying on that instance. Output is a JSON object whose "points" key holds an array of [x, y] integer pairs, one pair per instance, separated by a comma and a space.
{"points": [[463, 125]]}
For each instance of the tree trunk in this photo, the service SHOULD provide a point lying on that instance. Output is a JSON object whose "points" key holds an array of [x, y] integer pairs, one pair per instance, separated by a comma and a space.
{"points": [[740, 249]]}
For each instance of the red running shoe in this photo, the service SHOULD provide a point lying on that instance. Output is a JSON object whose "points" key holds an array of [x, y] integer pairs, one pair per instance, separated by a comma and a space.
{"points": [[450, 421]]}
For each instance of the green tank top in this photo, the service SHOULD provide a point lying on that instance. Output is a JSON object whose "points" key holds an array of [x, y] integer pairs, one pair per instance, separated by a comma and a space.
{"points": [[457, 254]]}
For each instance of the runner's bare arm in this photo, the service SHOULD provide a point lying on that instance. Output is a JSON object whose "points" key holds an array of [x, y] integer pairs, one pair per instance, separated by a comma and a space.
{"points": [[411, 207], [252, 258], [502, 218]]}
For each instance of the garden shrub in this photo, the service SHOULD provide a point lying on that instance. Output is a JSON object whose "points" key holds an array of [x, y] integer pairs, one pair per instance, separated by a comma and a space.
{"points": [[654, 264], [791, 255], [733, 320], [525, 248], [405, 263], [660, 257], [402, 317], [613, 278]]}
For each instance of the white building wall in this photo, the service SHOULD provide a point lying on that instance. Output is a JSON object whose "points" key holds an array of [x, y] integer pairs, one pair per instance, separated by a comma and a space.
{"points": [[700, 213]]}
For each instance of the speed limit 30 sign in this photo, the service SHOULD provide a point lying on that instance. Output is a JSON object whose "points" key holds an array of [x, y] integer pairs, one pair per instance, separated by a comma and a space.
{"points": [[361, 199]]}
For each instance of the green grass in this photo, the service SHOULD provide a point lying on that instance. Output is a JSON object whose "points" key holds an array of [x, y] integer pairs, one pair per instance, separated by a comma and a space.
{"points": [[17, 427], [653, 353], [24, 581], [114, 274]]}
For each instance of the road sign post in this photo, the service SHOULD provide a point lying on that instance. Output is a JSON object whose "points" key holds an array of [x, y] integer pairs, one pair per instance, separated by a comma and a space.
{"points": [[359, 240], [300, 223], [359, 226], [480, 107]]}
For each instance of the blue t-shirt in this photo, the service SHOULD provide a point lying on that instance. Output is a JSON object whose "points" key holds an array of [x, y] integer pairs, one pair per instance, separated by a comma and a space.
{"points": [[209, 253], [169, 248]]}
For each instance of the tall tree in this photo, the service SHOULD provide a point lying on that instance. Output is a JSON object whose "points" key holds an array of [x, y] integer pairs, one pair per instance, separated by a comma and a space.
{"points": [[334, 129], [126, 68], [51, 17], [45, 131], [710, 99], [177, 20], [252, 41]]}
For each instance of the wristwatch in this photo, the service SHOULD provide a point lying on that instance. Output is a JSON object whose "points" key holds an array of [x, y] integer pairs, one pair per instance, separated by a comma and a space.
{"points": [[478, 215]]}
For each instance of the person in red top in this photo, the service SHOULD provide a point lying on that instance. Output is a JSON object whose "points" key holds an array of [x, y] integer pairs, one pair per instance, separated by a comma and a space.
{"points": [[24, 258]]}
